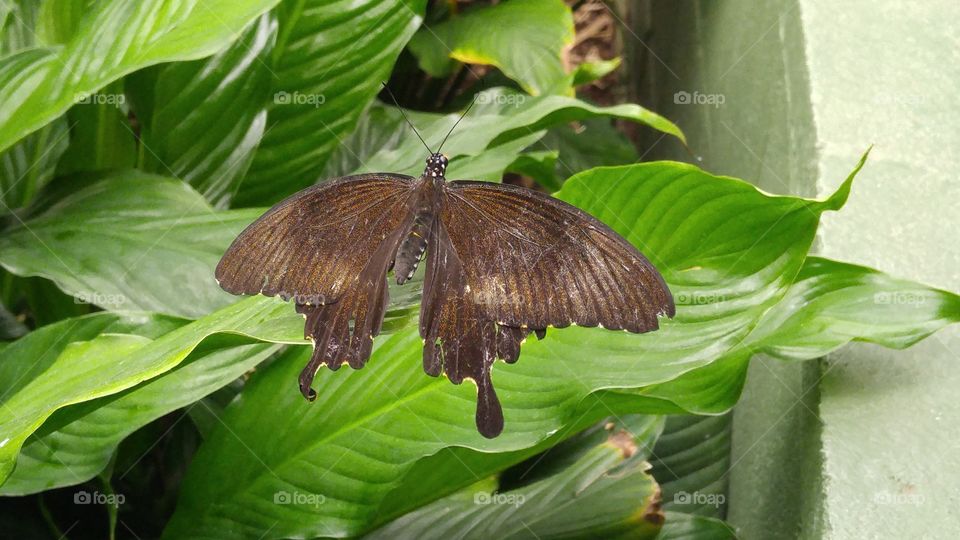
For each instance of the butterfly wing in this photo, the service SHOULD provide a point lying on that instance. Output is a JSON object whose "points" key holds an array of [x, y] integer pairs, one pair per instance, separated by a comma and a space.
{"points": [[329, 248], [505, 261]]}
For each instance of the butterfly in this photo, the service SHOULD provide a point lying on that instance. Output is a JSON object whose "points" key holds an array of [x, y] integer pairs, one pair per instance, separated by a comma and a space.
{"points": [[502, 261]]}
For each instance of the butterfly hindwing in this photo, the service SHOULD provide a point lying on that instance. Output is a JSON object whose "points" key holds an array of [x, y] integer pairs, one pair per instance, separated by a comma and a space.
{"points": [[328, 248], [537, 262]]}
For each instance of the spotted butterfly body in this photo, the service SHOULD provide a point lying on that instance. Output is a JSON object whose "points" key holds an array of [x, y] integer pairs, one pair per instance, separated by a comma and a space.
{"points": [[501, 262]]}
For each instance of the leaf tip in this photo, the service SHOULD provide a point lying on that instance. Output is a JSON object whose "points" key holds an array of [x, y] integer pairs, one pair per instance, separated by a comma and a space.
{"points": [[840, 196]]}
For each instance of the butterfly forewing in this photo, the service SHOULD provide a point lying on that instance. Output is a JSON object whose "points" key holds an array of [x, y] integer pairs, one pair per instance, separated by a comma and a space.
{"points": [[541, 262], [329, 248], [316, 242]]}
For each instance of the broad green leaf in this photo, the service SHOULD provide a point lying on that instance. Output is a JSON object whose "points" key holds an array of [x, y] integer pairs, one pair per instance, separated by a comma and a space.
{"points": [[603, 492], [329, 61], [701, 231], [132, 241], [691, 461], [455, 468], [833, 303], [30, 164], [208, 116], [77, 442], [114, 37], [678, 526], [491, 35], [711, 389], [383, 141], [44, 371]]}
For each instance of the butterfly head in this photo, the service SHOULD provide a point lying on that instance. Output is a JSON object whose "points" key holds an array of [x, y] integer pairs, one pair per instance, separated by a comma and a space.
{"points": [[436, 166]]}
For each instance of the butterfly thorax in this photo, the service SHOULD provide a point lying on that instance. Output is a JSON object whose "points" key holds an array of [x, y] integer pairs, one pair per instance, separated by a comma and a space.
{"points": [[414, 244]]}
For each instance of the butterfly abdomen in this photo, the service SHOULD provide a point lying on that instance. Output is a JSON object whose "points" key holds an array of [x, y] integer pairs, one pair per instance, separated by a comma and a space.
{"points": [[414, 244]]}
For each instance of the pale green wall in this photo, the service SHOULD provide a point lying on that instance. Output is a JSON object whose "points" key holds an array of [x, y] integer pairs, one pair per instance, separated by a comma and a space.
{"points": [[808, 86], [889, 72]]}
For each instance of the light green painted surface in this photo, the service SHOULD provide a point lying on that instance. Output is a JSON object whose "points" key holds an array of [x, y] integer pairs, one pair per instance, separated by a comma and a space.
{"points": [[808, 85], [888, 72]]}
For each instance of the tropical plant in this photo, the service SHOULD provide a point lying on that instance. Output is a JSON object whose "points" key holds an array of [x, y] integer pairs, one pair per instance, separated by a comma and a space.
{"points": [[137, 139]]}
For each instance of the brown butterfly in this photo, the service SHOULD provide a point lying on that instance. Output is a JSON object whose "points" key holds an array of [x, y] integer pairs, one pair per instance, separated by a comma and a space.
{"points": [[502, 262]]}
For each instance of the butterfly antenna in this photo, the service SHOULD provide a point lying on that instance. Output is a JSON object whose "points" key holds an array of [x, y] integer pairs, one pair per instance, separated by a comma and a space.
{"points": [[394, 98], [456, 124]]}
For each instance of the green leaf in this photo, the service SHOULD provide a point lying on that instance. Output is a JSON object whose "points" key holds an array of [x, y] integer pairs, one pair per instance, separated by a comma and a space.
{"points": [[30, 164], [589, 143], [604, 492], [678, 526], [77, 442], [636, 435], [328, 64], [18, 23], [44, 371], [132, 241], [454, 468], [833, 303], [491, 35], [700, 230], [208, 116], [115, 37], [691, 461], [589, 72], [538, 165], [383, 141], [100, 135], [59, 19]]}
